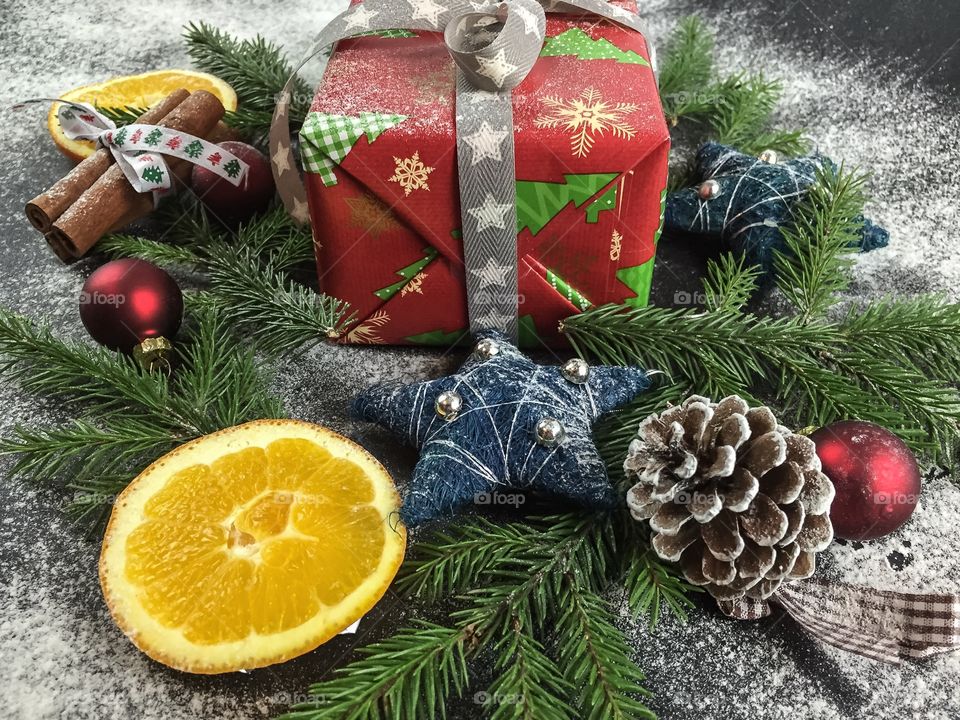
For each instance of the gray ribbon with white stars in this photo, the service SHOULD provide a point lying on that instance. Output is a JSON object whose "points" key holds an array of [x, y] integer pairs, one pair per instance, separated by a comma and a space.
{"points": [[494, 47]]}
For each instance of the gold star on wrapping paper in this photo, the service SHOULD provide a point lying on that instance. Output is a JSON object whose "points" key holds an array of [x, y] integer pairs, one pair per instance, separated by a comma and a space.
{"points": [[586, 117], [411, 173], [370, 214]]}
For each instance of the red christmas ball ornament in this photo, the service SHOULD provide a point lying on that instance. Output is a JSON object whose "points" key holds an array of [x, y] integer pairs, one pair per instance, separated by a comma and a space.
{"points": [[134, 307], [235, 204], [875, 474]]}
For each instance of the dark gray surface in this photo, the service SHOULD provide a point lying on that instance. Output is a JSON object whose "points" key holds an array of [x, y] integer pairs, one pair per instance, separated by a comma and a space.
{"points": [[62, 656]]}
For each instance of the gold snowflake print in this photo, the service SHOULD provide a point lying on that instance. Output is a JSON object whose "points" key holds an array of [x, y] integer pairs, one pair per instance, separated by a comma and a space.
{"points": [[586, 117], [369, 214], [616, 244], [367, 332], [411, 173], [415, 285]]}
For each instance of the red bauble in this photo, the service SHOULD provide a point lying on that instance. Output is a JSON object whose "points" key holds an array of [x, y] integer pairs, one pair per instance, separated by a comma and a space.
{"points": [[127, 301], [876, 477], [235, 204]]}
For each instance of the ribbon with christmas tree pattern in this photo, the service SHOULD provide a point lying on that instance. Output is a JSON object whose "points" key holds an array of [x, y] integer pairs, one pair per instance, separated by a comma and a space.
{"points": [[494, 46], [139, 149]]}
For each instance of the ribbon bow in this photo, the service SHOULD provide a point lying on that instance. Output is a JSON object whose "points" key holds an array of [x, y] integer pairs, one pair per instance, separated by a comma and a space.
{"points": [[494, 46], [139, 149]]}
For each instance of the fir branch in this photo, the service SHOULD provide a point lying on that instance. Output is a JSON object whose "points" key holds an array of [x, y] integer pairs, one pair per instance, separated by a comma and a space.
{"points": [[125, 417], [745, 105], [121, 115], [729, 283], [282, 314], [257, 71], [596, 659], [249, 276], [66, 370], [529, 684], [408, 676], [735, 110], [814, 267], [651, 583], [923, 331], [452, 562], [82, 449], [160, 253], [686, 69]]}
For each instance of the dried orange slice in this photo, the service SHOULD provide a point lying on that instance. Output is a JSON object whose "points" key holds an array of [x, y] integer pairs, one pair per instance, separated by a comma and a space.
{"points": [[250, 546], [138, 91]]}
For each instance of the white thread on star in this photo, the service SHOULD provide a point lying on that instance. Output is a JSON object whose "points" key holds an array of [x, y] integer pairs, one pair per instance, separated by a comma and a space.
{"points": [[359, 18], [485, 143], [497, 69], [426, 9], [490, 214]]}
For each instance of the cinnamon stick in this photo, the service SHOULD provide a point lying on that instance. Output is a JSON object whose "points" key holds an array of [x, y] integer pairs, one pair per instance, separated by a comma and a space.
{"points": [[44, 209], [111, 201]]}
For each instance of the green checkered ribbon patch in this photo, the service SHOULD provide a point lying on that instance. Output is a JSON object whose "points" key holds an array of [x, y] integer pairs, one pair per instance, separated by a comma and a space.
{"points": [[326, 139]]}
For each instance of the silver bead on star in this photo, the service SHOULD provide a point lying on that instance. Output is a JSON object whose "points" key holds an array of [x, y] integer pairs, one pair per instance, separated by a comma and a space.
{"points": [[708, 189], [575, 370], [550, 432], [449, 404], [769, 156], [486, 349]]}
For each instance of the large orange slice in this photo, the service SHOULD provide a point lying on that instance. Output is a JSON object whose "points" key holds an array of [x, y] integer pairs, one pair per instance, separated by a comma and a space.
{"points": [[250, 546], [138, 91]]}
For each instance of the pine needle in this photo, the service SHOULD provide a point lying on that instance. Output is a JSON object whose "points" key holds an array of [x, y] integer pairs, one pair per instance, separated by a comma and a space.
{"points": [[257, 71], [814, 268]]}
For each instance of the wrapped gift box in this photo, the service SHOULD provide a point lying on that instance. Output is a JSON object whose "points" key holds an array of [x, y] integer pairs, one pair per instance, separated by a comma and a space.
{"points": [[379, 151]]}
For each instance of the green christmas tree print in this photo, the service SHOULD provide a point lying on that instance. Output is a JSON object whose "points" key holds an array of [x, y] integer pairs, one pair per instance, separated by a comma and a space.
{"points": [[527, 332], [568, 291], [640, 277], [578, 43], [232, 168], [539, 202], [607, 201], [120, 137], [407, 273], [152, 174], [194, 149], [154, 137]]}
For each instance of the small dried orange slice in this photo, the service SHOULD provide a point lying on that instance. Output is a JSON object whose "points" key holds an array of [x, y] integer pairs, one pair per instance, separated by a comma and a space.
{"points": [[250, 546], [137, 91]]}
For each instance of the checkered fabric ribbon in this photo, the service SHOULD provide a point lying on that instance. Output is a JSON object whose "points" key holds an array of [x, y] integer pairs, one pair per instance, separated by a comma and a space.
{"points": [[325, 140], [494, 46], [139, 149], [878, 624]]}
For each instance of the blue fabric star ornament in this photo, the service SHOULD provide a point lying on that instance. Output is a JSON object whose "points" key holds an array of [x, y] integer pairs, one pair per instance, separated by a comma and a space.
{"points": [[502, 421], [744, 200]]}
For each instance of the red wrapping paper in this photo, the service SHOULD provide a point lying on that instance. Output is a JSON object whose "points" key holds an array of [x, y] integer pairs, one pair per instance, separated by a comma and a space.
{"points": [[591, 158]]}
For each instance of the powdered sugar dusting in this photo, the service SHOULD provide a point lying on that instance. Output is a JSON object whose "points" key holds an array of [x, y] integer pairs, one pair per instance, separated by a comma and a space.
{"points": [[61, 655]]}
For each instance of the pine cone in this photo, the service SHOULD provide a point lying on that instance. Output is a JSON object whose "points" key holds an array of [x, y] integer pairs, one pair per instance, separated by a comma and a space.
{"points": [[734, 497]]}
